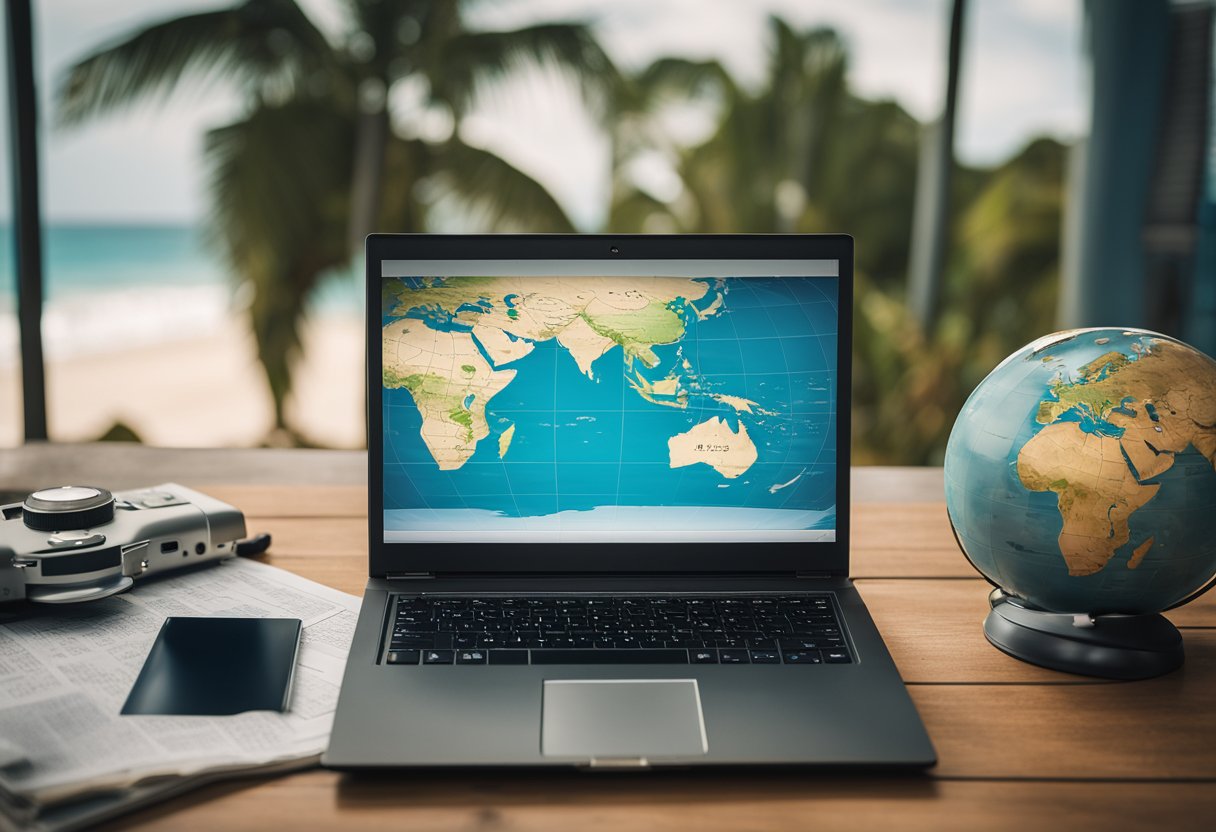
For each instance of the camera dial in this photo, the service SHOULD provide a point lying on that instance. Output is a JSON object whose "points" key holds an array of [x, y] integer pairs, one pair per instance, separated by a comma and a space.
{"points": [[68, 507]]}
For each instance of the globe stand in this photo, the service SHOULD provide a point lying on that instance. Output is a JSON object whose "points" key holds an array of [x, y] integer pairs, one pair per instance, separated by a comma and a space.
{"points": [[1108, 646]]}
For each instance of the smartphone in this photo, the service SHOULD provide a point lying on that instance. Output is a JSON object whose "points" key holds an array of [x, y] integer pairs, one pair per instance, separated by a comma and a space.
{"points": [[217, 667]]}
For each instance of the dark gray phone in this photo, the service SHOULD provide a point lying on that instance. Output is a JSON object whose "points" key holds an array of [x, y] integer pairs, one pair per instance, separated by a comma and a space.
{"points": [[217, 667]]}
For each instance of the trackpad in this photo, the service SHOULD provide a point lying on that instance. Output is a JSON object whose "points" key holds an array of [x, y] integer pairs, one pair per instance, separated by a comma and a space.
{"points": [[610, 718]]}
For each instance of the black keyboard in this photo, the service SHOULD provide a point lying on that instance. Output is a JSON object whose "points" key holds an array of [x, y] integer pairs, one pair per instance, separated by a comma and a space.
{"points": [[669, 629]]}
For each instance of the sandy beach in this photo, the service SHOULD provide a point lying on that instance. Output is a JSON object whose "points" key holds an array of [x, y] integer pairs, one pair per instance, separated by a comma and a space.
{"points": [[201, 392]]}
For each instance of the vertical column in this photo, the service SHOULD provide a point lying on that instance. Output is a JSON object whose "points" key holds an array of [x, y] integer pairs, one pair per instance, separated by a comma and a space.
{"points": [[27, 221], [1104, 256], [931, 223]]}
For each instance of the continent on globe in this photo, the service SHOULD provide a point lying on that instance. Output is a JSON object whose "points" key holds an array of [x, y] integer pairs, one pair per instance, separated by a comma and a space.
{"points": [[451, 384], [1096, 489], [1117, 425], [715, 444]]}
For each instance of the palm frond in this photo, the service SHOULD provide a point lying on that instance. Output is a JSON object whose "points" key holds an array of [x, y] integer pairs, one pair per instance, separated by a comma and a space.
{"points": [[470, 60], [266, 44], [682, 78], [280, 187], [501, 195]]}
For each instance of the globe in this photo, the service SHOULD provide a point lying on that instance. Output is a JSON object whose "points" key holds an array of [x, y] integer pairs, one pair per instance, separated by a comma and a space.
{"points": [[1081, 473]]}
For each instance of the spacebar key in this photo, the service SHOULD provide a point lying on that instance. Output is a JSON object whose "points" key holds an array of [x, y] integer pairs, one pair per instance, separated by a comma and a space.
{"points": [[610, 656]]}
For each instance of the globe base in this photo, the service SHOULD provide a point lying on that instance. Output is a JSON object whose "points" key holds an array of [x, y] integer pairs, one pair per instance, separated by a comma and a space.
{"points": [[1107, 646]]}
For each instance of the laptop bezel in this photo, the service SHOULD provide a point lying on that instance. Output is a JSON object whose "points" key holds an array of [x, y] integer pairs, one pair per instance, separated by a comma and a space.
{"points": [[388, 559]]}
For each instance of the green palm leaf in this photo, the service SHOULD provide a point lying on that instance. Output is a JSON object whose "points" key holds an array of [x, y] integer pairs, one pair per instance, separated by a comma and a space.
{"points": [[470, 60], [682, 78], [500, 195], [268, 45]]}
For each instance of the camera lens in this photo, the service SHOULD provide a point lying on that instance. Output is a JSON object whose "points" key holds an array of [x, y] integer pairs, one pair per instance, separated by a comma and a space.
{"points": [[67, 507], [615, 250]]}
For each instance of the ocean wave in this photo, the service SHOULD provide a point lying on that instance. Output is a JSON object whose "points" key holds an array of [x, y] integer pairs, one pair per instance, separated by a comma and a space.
{"points": [[98, 322]]}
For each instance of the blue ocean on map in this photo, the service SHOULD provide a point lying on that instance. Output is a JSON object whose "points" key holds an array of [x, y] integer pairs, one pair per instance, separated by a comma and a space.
{"points": [[592, 453]]}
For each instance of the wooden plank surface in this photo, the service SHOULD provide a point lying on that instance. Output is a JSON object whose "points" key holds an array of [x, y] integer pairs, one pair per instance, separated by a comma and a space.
{"points": [[1019, 746], [890, 540], [1160, 729], [757, 801], [934, 630]]}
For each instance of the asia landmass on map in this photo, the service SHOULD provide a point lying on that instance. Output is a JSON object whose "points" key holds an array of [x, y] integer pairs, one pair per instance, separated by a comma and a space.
{"points": [[447, 373]]}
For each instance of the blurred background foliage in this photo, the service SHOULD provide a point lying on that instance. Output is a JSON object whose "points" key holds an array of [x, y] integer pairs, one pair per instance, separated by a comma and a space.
{"points": [[318, 160], [804, 153]]}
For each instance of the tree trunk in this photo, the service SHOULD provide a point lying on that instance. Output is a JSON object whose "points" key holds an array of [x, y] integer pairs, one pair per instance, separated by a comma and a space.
{"points": [[367, 177]]}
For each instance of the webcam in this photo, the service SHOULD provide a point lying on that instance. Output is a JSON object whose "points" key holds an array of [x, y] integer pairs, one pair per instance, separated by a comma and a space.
{"points": [[614, 250]]}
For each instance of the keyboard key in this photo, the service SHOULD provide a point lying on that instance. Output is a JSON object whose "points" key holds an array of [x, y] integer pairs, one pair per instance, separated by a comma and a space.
{"points": [[765, 657], [402, 657], [802, 657], [412, 642], [508, 657], [797, 644], [471, 657], [413, 618], [837, 657], [437, 656], [604, 656], [733, 656], [703, 656]]}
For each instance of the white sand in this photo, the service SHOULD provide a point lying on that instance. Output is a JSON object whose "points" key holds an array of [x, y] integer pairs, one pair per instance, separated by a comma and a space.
{"points": [[202, 392]]}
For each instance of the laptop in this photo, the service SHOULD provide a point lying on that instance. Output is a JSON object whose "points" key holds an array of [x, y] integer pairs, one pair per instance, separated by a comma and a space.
{"points": [[608, 510]]}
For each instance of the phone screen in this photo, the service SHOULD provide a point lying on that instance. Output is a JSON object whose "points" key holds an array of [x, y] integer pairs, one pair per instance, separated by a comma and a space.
{"points": [[217, 667]]}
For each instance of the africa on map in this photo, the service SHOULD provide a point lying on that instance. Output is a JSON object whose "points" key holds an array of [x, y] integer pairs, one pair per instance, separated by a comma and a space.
{"points": [[519, 403]]}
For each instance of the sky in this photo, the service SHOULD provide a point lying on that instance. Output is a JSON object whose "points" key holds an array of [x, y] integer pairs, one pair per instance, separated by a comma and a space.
{"points": [[1022, 62]]}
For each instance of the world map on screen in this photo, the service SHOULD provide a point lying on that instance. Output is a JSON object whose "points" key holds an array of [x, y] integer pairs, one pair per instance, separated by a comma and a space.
{"points": [[584, 402]]}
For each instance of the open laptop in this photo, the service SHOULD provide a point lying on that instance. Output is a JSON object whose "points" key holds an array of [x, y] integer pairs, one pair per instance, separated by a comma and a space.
{"points": [[608, 507]]}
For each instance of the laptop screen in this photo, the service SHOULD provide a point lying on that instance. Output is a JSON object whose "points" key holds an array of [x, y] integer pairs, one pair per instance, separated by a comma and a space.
{"points": [[609, 401]]}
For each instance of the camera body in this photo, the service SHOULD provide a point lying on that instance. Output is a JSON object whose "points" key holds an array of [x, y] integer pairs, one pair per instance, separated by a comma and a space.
{"points": [[81, 543]]}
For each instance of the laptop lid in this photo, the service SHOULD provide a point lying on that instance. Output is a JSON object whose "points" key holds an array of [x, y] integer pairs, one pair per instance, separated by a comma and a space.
{"points": [[608, 404]]}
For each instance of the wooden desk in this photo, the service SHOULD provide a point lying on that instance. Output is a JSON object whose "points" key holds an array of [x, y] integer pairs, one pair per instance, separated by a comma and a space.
{"points": [[1019, 747]]}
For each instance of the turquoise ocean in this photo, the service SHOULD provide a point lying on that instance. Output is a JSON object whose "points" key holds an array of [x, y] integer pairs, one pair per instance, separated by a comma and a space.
{"points": [[112, 287]]}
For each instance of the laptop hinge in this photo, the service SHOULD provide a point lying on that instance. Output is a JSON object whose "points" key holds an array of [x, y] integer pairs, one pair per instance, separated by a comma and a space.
{"points": [[813, 575], [410, 576]]}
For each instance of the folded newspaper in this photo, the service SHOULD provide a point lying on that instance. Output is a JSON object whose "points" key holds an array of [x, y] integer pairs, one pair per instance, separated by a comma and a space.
{"points": [[69, 759]]}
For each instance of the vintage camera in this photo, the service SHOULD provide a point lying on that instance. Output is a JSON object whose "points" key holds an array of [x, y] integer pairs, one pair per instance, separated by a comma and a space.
{"points": [[79, 543]]}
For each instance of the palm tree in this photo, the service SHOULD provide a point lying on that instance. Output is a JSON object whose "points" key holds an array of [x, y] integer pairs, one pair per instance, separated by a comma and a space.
{"points": [[800, 153], [762, 165], [318, 158]]}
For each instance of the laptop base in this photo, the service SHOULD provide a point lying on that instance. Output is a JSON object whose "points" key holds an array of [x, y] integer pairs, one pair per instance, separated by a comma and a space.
{"points": [[856, 714]]}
